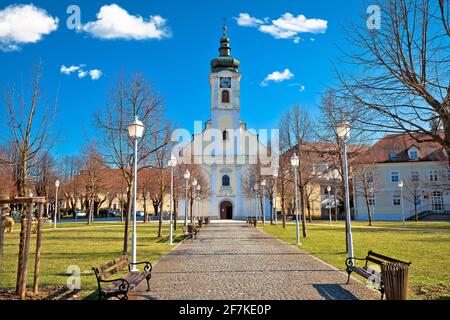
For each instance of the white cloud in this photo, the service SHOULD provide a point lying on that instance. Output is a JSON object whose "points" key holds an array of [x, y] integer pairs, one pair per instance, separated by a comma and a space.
{"points": [[245, 20], [277, 76], [20, 24], [95, 74], [287, 26], [69, 70], [114, 22], [82, 74], [302, 88]]}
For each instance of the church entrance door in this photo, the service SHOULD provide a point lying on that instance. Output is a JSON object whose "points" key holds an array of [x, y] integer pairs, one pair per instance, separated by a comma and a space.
{"points": [[226, 210]]}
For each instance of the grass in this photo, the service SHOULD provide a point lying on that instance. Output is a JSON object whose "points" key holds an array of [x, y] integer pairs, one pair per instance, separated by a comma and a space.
{"points": [[76, 244], [428, 251], [384, 224]]}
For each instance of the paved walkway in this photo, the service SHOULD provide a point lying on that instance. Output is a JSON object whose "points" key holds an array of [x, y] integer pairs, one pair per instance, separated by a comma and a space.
{"points": [[233, 261]]}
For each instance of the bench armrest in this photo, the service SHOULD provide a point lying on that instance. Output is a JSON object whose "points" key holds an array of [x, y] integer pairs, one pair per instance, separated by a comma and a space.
{"points": [[123, 286], [148, 266], [349, 261]]}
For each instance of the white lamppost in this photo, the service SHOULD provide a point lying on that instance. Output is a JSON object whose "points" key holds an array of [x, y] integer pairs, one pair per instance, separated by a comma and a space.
{"points": [[56, 201], [329, 203], [401, 185], [275, 177], [172, 164], [372, 197], [295, 162], [194, 187], [343, 132], [263, 186], [187, 176], [135, 131], [199, 187]]}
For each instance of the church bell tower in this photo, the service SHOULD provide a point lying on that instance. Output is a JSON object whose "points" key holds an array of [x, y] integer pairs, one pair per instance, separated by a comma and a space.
{"points": [[224, 80]]}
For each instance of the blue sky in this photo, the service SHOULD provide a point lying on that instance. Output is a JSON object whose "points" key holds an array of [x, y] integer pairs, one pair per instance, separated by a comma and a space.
{"points": [[178, 64]]}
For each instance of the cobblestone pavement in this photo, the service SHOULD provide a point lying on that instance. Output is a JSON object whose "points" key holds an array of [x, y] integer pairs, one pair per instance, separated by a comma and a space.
{"points": [[233, 262]]}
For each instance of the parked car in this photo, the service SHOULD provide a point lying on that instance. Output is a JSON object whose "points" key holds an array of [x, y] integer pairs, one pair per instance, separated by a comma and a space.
{"points": [[114, 213], [140, 213], [80, 214]]}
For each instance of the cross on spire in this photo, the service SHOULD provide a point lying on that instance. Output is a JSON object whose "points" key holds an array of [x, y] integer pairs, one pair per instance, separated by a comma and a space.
{"points": [[225, 26]]}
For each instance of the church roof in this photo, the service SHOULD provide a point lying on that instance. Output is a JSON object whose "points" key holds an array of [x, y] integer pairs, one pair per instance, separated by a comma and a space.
{"points": [[225, 61]]}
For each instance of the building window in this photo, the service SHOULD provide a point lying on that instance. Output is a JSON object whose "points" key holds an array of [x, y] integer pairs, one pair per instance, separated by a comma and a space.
{"points": [[225, 181], [418, 201], [369, 177], [395, 177], [225, 96], [433, 175], [396, 201], [392, 156], [371, 200], [114, 206], [415, 176], [413, 155]]}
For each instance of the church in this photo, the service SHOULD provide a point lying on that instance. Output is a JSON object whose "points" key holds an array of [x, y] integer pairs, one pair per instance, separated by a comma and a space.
{"points": [[225, 150]]}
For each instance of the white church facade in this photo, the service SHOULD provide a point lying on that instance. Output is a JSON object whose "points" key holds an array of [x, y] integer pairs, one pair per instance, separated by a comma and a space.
{"points": [[225, 150]]}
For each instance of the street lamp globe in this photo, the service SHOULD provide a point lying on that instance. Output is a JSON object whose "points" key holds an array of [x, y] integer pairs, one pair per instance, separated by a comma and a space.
{"points": [[343, 129], [295, 161], [263, 183], [136, 128], [199, 187], [400, 184], [329, 189], [172, 162], [194, 183], [187, 175], [57, 183]]}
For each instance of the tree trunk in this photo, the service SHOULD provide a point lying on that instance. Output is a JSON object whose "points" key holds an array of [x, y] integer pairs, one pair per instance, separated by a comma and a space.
{"points": [[416, 211], [127, 222], [23, 226], [369, 211], [145, 209]]}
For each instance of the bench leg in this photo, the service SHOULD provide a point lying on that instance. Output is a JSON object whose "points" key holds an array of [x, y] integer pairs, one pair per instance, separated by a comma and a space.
{"points": [[349, 274], [148, 282]]}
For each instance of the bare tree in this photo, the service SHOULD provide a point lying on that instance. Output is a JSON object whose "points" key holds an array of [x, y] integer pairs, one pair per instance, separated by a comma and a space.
{"points": [[130, 99], [400, 80], [28, 121]]}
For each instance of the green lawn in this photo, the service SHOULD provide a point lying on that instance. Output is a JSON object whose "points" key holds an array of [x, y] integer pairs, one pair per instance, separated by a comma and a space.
{"points": [[83, 246], [428, 251]]}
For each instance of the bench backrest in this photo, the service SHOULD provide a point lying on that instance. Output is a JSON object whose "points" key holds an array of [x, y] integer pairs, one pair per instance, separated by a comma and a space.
{"points": [[110, 268], [379, 259]]}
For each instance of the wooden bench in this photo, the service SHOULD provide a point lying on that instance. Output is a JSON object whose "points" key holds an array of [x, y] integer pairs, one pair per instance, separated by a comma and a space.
{"points": [[252, 221], [367, 272], [120, 286], [191, 232]]}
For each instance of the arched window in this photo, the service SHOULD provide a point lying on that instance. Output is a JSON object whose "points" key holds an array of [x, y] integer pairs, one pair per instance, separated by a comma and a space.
{"points": [[225, 135], [225, 181], [225, 96]]}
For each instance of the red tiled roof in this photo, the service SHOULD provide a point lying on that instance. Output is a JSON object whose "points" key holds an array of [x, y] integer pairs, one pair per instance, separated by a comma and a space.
{"points": [[395, 147]]}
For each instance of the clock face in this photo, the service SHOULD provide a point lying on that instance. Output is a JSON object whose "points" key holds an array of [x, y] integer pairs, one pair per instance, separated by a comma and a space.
{"points": [[225, 82]]}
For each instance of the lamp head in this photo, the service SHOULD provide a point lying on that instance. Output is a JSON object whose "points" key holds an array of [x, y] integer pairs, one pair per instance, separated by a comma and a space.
{"points": [[136, 129], [400, 184], [194, 183], [172, 161], [329, 189], [343, 129], [57, 183], [187, 175], [263, 183], [295, 161]]}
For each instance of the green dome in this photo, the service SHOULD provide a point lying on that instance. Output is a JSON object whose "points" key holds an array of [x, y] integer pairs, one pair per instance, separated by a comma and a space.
{"points": [[225, 61]]}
